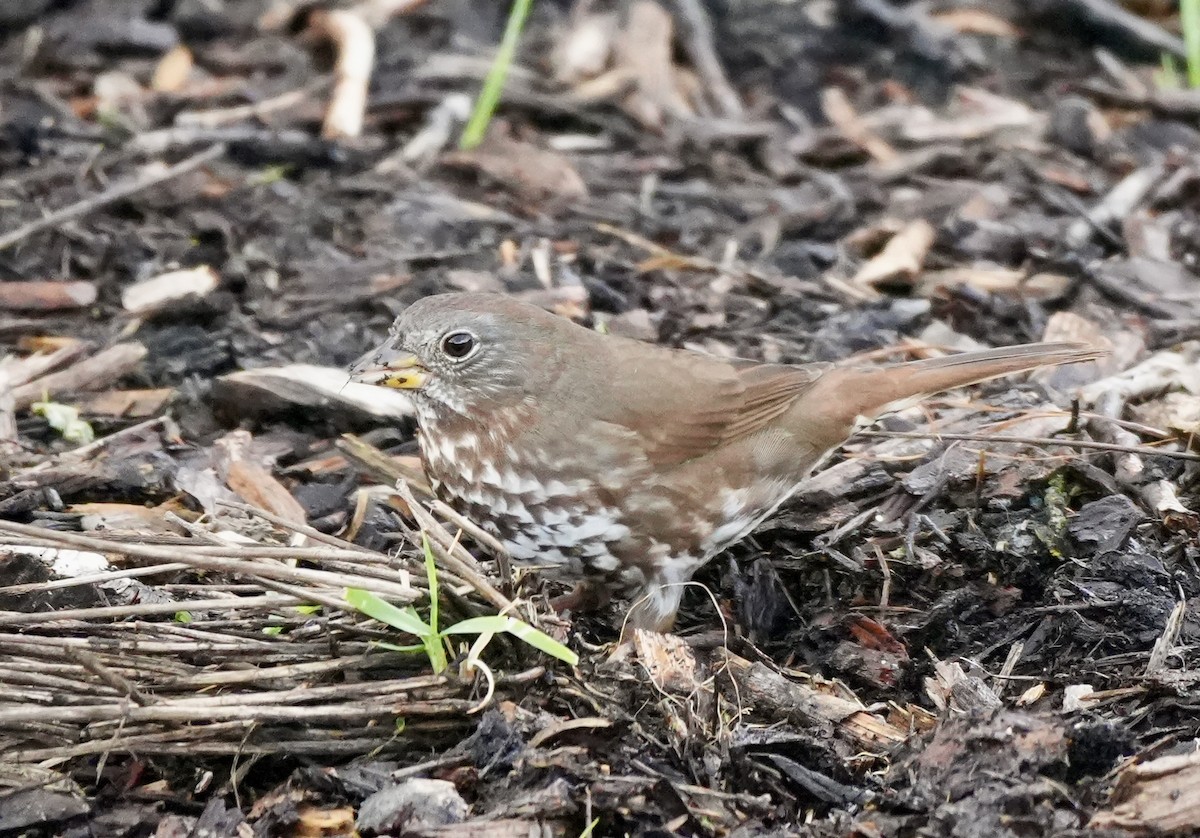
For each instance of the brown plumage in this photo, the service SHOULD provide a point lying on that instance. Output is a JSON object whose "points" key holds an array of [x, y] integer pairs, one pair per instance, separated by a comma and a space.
{"points": [[625, 464]]}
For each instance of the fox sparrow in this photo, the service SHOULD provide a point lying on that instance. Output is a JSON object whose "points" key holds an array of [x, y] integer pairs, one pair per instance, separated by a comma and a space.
{"points": [[620, 463]]}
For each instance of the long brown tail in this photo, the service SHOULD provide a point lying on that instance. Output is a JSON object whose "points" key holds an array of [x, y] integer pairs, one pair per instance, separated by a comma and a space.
{"points": [[870, 391]]}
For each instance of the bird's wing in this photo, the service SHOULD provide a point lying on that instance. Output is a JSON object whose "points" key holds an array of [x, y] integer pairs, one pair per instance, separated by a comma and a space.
{"points": [[680, 405]]}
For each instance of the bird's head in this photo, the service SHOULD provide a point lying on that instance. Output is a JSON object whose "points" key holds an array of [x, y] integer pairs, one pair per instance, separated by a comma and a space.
{"points": [[457, 351]]}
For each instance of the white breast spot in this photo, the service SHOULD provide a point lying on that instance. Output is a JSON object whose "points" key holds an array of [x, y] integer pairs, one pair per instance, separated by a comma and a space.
{"points": [[605, 562], [616, 532], [597, 526], [557, 488], [517, 510], [552, 517], [552, 556], [515, 484], [522, 551], [490, 476]]}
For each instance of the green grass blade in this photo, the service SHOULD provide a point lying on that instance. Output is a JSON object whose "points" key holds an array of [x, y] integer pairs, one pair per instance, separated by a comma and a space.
{"points": [[373, 606], [520, 630], [493, 85], [434, 644], [1189, 21], [408, 650], [435, 650], [432, 575], [1167, 77]]}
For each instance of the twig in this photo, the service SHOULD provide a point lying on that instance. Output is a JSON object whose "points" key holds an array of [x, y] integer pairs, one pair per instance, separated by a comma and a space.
{"points": [[382, 467], [278, 674], [170, 712], [116, 192], [1035, 440], [241, 561], [1165, 645], [92, 578], [379, 464], [1109, 16], [112, 679], [484, 539], [292, 526], [92, 373], [1120, 201], [697, 32], [145, 609], [354, 42], [32, 644], [46, 295], [84, 451], [171, 551], [836, 106], [9, 440], [217, 117], [463, 565], [288, 144]]}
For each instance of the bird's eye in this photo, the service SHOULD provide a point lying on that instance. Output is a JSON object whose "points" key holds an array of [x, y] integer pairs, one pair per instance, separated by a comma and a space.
{"points": [[458, 345]]}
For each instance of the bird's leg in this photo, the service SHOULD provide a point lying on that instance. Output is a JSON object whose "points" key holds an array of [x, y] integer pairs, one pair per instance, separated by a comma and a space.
{"points": [[585, 596], [654, 607]]}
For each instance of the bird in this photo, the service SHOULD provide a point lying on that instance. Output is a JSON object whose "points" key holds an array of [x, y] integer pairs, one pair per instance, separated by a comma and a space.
{"points": [[623, 465]]}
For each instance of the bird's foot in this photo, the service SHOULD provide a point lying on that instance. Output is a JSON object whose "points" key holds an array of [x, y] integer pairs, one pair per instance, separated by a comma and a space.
{"points": [[585, 596]]}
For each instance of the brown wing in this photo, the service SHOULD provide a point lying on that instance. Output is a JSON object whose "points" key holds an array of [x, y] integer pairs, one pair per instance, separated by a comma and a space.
{"points": [[681, 405]]}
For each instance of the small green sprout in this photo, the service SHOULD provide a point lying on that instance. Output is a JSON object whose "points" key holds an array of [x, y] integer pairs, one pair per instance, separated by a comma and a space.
{"points": [[65, 419], [434, 639], [1189, 21], [493, 85]]}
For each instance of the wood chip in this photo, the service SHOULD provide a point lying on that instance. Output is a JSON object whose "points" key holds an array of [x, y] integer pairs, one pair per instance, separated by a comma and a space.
{"points": [[44, 295], [94, 373], [952, 689], [583, 50], [669, 662], [553, 731], [158, 292], [1167, 641], [974, 115], [128, 517], [172, 71], [533, 173], [644, 49], [1009, 282], [901, 258], [762, 686], [1071, 327], [253, 392], [49, 355], [838, 110], [1160, 797], [128, 404], [354, 42], [251, 481], [976, 22], [1032, 695]]}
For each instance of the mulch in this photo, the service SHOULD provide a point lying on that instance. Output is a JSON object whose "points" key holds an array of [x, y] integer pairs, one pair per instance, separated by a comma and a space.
{"points": [[975, 620]]}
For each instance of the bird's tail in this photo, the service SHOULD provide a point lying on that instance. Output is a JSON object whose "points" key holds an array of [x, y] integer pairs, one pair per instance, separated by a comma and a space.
{"points": [[858, 393]]}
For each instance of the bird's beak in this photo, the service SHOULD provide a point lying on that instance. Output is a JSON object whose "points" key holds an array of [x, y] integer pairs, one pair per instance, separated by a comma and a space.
{"points": [[390, 367]]}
